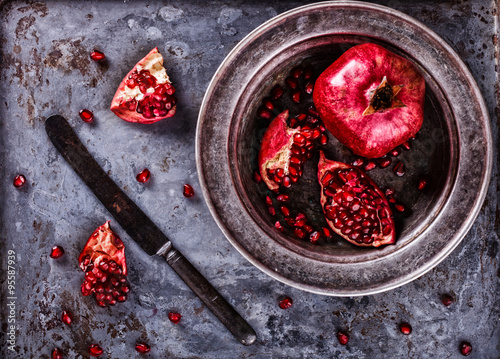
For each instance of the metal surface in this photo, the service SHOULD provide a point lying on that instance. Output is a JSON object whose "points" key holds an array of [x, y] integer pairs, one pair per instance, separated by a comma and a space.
{"points": [[228, 142], [45, 69], [139, 227]]}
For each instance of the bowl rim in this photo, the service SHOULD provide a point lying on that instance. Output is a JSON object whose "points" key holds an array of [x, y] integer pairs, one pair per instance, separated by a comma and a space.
{"points": [[472, 87]]}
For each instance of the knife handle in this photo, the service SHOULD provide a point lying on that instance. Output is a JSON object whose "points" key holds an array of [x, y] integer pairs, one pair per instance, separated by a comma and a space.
{"points": [[211, 297]]}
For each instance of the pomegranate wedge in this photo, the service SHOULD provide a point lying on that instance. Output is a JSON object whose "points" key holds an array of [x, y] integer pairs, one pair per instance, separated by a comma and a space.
{"points": [[354, 206]]}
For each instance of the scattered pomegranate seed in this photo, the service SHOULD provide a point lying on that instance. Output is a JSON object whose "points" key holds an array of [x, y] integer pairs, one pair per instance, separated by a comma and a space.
{"points": [[405, 328], [188, 191], [296, 72], [314, 237], [399, 169], [256, 177], [447, 299], [384, 162], [309, 88], [299, 232], [323, 140], [67, 317], [97, 55], [308, 73], [465, 348], [327, 232], [264, 113], [422, 184], [290, 221], [86, 115], [286, 303], [277, 92], [143, 176], [283, 198], [269, 201], [395, 152], [291, 82], [296, 96], [272, 210], [358, 162], [343, 337], [285, 211], [95, 350], [406, 145], [268, 103], [56, 252], [370, 165], [279, 226], [142, 348], [174, 317], [19, 181], [400, 207], [57, 353], [389, 192]]}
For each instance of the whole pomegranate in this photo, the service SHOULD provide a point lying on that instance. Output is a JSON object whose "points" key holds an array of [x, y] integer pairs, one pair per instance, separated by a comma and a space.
{"points": [[103, 261], [354, 206], [284, 150], [146, 94], [371, 99]]}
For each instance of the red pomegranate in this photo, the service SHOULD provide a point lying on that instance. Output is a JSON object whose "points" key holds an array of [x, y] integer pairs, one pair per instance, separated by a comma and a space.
{"points": [[103, 261], [371, 99], [354, 206], [145, 95]]}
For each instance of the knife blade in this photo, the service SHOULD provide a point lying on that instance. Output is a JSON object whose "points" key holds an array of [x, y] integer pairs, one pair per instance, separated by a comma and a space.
{"points": [[139, 227]]}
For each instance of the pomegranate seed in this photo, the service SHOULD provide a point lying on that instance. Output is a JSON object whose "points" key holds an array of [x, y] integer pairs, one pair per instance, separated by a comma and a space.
{"points": [[400, 207], [290, 221], [314, 237], [308, 73], [447, 299], [422, 184], [188, 191], [309, 88], [143, 176], [269, 201], [399, 169], [395, 152], [296, 72], [86, 115], [283, 198], [272, 210], [358, 162], [323, 140], [296, 96], [286, 303], [66, 317], [285, 211], [57, 353], [465, 348], [264, 113], [278, 226], [56, 252], [142, 348], [19, 181], [343, 338], [95, 350], [389, 192], [299, 232], [406, 145], [405, 328], [268, 103], [174, 317], [256, 177], [327, 232], [97, 55], [291, 82], [370, 165], [277, 92], [384, 162]]}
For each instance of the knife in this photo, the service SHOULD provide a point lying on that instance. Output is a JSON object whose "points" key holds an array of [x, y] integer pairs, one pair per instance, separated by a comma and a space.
{"points": [[140, 228]]}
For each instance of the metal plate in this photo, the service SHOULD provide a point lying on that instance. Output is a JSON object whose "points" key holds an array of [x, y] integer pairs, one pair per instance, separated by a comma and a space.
{"points": [[455, 136]]}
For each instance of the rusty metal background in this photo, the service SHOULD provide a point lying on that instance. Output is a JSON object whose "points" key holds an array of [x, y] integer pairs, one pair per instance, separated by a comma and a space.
{"points": [[45, 69]]}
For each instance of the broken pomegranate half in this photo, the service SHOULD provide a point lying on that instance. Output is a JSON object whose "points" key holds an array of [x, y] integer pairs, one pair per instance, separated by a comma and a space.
{"points": [[371, 99], [146, 94], [354, 206], [283, 152], [103, 261]]}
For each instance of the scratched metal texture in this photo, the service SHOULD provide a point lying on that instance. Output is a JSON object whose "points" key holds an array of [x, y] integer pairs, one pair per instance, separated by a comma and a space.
{"points": [[45, 69]]}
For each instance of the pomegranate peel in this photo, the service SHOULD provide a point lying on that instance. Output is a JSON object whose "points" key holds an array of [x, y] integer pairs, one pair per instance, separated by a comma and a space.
{"points": [[371, 99], [145, 95], [354, 206]]}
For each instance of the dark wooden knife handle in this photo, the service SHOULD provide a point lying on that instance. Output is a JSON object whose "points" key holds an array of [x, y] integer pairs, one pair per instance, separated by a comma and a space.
{"points": [[210, 297]]}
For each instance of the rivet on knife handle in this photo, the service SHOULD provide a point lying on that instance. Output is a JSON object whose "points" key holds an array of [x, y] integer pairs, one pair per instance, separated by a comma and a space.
{"points": [[139, 227]]}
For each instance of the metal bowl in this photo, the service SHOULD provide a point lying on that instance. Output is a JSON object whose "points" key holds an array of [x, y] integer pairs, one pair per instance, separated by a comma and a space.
{"points": [[453, 150]]}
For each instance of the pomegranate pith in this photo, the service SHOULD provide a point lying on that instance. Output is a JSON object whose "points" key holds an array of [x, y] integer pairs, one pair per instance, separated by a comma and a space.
{"points": [[103, 261], [174, 317], [285, 303], [146, 94], [56, 252], [354, 206], [19, 181]]}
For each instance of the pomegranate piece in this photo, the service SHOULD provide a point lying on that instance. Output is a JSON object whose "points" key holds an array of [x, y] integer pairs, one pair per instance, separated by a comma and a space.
{"points": [[284, 150], [343, 337], [447, 299], [142, 347], [143, 176], [56, 252], [174, 317], [57, 353], [103, 261], [285, 303], [146, 94], [97, 55], [67, 317], [371, 99], [465, 348], [188, 191], [19, 181], [354, 206], [86, 115], [405, 328], [95, 350]]}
